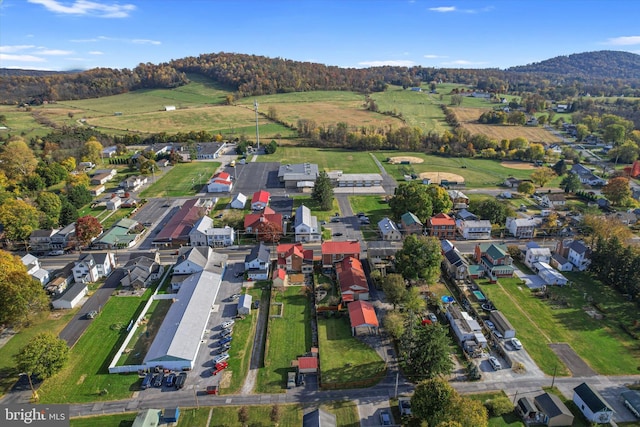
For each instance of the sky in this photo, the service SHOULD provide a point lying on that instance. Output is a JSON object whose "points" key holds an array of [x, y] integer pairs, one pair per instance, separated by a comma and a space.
{"points": [[82, 34]]}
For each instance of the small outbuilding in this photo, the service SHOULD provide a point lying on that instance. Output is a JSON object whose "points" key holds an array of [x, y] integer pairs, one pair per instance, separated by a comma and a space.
{"points": [[592, 404], [319, 418], [307, 364], [244, 304], [280, 278], [71, 297], [171, 415], [362, 316], [147, 418], [239, 201]]}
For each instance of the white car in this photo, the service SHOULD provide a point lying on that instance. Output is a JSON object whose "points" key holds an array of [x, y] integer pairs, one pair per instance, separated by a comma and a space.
{"points": [[497, 334], [495, 363], [490, 324], [220, 358], [228, 324], [515, 343]]}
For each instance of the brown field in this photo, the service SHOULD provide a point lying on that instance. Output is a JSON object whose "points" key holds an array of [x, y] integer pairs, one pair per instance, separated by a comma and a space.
{"points": [[411, 159], [330, 113], [468, 118], [518, 165], [437, 177]]}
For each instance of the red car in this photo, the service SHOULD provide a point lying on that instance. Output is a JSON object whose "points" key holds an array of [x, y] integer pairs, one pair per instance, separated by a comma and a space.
{"points": [[212, 389], [220, 367]]}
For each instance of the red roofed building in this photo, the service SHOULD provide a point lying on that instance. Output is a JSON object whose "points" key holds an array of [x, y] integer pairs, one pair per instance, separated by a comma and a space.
{"points": [[293, 258], [634, 170], [260, 200], [307, 364], [362, 315], [220, 183], [251, 221], [280, 278], [176, 231], [333, 252], [352, 280], [442, 226]]}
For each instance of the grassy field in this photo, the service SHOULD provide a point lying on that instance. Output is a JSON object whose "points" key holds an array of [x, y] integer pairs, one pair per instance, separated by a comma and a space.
{"points": [[562, 319], [52, 322], [327, 159], [184, 179], [375, 208], [287, 338], [343, 358], [138, 347], [85, 379], [315, 207], [511, 419]]}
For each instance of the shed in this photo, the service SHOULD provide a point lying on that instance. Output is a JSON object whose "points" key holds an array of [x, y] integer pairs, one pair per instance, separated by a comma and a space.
{"points": [[280, 278], [244, 304], [171, 415], [631, 399], [307, 364], [71, 297], [502, 324], [319, 418], [592, 404], [239, 201], [555, 413], [362, 315], [148, 418]]}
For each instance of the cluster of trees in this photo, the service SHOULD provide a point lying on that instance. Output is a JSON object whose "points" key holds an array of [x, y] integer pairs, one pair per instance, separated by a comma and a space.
{"points": [[617, 264], [21, 296], [501, 118]]}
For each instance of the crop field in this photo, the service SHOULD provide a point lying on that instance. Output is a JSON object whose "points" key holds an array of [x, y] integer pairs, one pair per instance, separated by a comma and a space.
{"points": [[184, 179], [468, 118], [327, 158]]}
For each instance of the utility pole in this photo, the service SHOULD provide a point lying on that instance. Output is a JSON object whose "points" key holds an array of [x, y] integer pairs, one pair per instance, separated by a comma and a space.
{"points": [[255, 105]]}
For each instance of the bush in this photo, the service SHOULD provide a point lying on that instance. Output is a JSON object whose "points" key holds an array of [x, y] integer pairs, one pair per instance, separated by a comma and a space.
{"points": [[499, 406]]}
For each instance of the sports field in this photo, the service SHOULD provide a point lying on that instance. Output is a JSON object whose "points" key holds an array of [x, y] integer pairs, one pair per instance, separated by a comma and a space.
{"points": [[327, 158]]}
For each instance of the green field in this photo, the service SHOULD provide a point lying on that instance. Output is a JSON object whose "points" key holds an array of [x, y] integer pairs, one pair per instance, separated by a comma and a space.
{"points": [[287, 338], [597, 342], [86, 378], [326, 158], [375, 208], [184, 179], [344, 359]]}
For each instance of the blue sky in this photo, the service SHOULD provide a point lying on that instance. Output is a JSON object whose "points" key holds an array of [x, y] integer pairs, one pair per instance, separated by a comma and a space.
{"points": [[83, 34]]}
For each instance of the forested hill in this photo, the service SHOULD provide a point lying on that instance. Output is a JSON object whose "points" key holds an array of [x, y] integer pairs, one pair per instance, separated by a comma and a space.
{"points": [[604, 64]]}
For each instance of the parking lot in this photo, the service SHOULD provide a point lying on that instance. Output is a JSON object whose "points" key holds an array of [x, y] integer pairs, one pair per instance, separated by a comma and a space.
{"points": [[254, 176]]}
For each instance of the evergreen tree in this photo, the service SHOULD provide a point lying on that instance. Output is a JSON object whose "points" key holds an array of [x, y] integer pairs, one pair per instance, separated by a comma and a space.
{"points": [[323, 191]]}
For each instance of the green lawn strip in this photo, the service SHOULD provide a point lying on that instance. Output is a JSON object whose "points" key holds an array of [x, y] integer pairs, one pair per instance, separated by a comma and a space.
{"points": [[259, 415], [146, 333], [47, 321], [287, 337], [86, 374], [346, 412], [374, 207], [184, 179], [511, 419], [118, 420], [115, 217], [240, 352], [326, 158], [315, 207], [344, 359]]}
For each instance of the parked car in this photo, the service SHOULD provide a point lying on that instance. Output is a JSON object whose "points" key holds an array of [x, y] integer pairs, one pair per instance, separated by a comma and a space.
{"points": [[490, 324], [219, 368], [385, 418], [291, 379], [235, 296], [56, 253], [432, 317], [337, 234], [515, 343], [228, 324], [361, 214], [147, 381], [335, 219], [224, 348], [225, 340], [497, 334], [180, 380], [256, 304], [226, 332], [221, 358], [158, 379], [404, 403], [495, 363], [171, 378], [212, 389]]}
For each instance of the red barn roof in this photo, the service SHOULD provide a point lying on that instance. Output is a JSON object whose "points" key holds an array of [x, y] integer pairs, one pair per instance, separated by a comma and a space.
{"points": [[362, 313], [307, 362]]}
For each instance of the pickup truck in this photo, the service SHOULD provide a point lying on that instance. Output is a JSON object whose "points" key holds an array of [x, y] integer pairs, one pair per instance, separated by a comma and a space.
{"points": [[220, 367]]}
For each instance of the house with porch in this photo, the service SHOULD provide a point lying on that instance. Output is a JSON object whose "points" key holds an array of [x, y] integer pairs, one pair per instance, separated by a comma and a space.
{"points": [[258, 262], [576, 252], [494, 260], [474, 229], [521, 228], [204, 233], [306, 226], [91, 267], [592, 405], [535, 253], [442, 226]]}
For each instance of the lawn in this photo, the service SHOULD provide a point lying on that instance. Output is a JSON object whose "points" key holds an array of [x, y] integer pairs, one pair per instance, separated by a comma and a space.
{"points": [[86, 378], [118, 420], [326, 158], [287, 337], [375, 208], [315, 207], [562, 319], [511, 419], [48, 321], [184, 179], [344, 359], [138, 347]]}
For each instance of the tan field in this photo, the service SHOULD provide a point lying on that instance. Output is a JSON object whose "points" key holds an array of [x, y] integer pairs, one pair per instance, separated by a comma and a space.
{"points": [[518, 165], [437, 177], [468, 118], [330, 113], [410, 159]]}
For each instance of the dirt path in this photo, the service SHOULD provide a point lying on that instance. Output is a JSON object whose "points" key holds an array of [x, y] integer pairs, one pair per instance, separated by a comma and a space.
{"points": [[531, 321]]}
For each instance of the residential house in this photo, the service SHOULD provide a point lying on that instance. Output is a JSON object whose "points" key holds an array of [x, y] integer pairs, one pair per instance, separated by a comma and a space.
{"points": [[97, 190], [65, 238], [410, 224], [220, 183], [334, 252], [61, 280], [293, 258], [352, 280], [465, 215], [109, 152], [466, 329], [560, 263], [535, 253], [319, 418], [521, 228], [40, 240], [544, 409], [124, 234], [553, 200], [586, 175], [71, 297], [474, 229], [239, 201], [280, 278], [494, 260], [260, 200], [382, 254], [101, 177], [455, 264], [140, 272], [592, 404], [442, 226], [626, 218], [459, 199], [291, 174], [35, 270], [114, 203], [204, 233], [176, 232], [257, 223], [91, 267], [306, 226], [576, 252], [134, 183], [257, 263], [362, 316], [389, 230]]}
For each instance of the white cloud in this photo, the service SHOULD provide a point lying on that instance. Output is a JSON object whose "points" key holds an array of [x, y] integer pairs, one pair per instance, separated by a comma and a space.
{"points": [[443, 9], [145, 41], [434, 56], [624, 41], [105, 38], [54, 52], [87, 8], [393, 63], [15, 48], [95, 52], [463, 62], [22, 58]]}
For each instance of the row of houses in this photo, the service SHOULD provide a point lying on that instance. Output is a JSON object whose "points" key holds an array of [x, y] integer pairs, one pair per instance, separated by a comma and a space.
{"points": [[442, 226]]}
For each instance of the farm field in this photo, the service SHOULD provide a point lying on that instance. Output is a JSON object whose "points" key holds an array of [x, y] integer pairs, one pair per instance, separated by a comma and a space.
{"points": [[468, 118], [478, 173], [87, 378], [327, 159], [184, 179], [563, 319]]}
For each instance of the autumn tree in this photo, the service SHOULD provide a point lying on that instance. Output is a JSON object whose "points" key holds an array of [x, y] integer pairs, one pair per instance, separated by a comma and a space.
{"points": [[21, 296], [92, 151], [419, 258], [411, 197], [87, 228], [597, 226], [440, 200], [617, 191], [44, 356], [19, 219], [542, 176], [323, 191], [394, 289], [268, 232], [17, 160], [526, 187]]}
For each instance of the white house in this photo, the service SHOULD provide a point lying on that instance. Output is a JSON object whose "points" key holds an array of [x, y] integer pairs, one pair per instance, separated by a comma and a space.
{"points": [[204, 233], [256, 264], [239, 201], [114, 203], [389, 230], [71, 297], [93, 266], [220, 183], [592, 404], [578, 255], [474, 229], [553, 200], [306, 226], [35, 270], [521, 228], [536, 254]]}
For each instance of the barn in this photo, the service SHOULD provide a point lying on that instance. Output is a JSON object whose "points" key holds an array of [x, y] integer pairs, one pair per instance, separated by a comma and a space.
{"points": [[244, 304]]}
